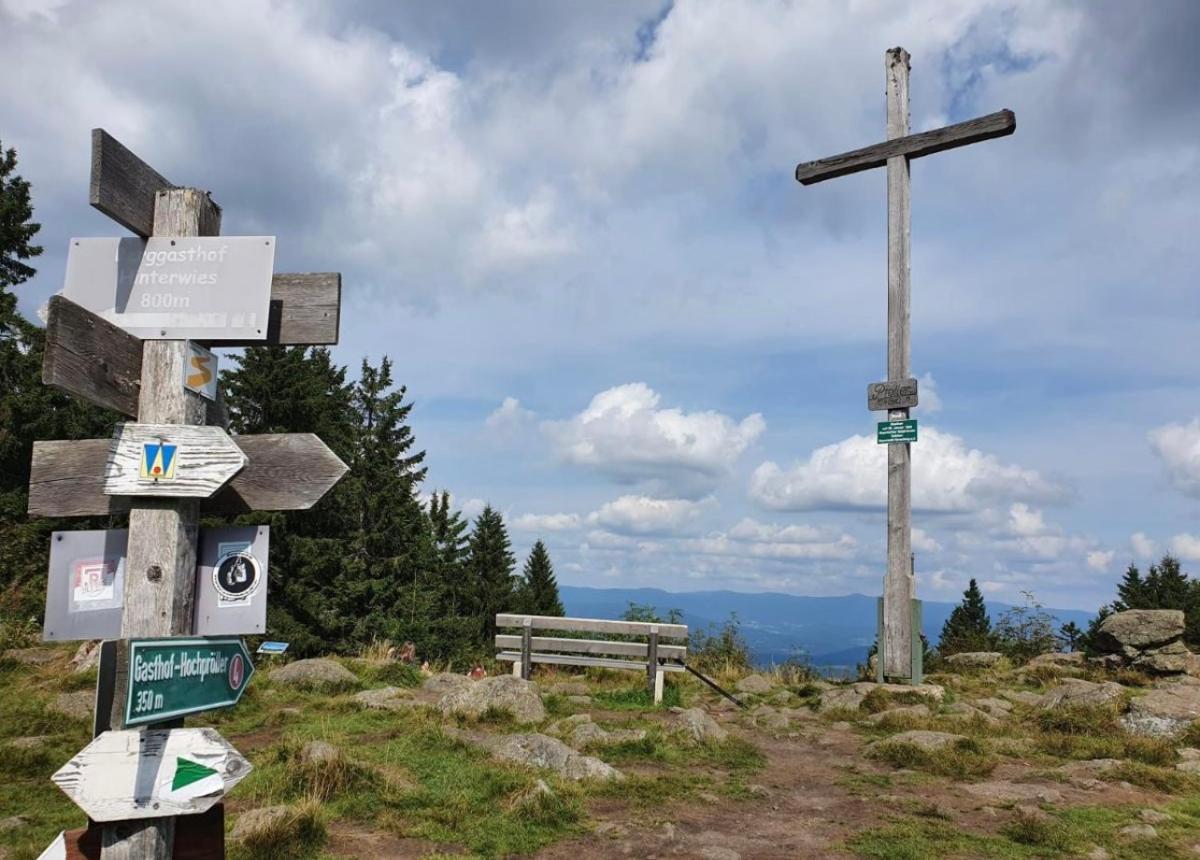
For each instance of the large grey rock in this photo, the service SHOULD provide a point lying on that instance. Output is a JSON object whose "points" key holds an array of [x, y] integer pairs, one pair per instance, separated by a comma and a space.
{"points": [[996, 707], [1164, 711], [842, 698], [1058, 659], [79, 705], [928, 741], [1002, 791], [906, 711], [699, 726], [317, 672], [385, 699], [851, 696], [1139, 629], [1021, 697], [319, 752], [963, 711], [506, 693], [537, 750], [1174, 658], [1074, 692], [975, 659], [754, 684], [87, 656], [254, 821], [443, 682]]}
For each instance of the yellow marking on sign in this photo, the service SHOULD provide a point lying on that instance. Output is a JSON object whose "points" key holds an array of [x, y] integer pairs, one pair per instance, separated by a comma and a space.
{"points": [[205, 374]]}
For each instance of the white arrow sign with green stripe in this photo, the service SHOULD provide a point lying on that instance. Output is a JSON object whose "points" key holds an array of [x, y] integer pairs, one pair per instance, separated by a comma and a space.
{"points": [[151, 773]]}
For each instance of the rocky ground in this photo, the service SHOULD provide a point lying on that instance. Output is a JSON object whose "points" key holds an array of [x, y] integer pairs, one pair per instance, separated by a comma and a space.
{"points": [[1061, 757]]}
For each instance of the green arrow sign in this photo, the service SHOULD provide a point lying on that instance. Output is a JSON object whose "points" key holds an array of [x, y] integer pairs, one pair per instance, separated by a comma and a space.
{"points": [[889, 432], [173, 677]]}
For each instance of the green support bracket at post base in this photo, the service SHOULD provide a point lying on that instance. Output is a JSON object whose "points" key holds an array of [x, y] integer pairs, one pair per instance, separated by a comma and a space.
{"points": [[918, 652]]}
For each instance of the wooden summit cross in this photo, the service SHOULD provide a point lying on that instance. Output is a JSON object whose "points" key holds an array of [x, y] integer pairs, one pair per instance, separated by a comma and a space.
{"points": [[123, 335], [899, 637]]}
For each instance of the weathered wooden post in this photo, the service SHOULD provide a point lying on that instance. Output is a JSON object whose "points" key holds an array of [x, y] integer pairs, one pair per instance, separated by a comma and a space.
{"points": [[121, 344], [897, 657], [526, 648]]}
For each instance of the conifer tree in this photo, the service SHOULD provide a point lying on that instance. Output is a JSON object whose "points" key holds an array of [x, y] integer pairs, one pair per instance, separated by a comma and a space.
{"points": [[538, 589], [1165, 586], [490, 565], [29, 410], [968, 627], [448, 534]]}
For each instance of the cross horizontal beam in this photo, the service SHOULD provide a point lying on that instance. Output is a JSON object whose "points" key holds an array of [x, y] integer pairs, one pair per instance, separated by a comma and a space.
{"points": [[996, 124]]}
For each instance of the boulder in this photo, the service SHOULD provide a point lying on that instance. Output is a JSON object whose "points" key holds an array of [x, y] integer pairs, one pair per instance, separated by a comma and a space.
{"points": [[996, 707], [754, 684], [1058, 660], [385, 699], [543, 751], [567, 725], [699, 726], [1174, 658], [1154, 816], [254, 821], [914, 711], [963, 711], [1138, 831], [1164, 711], [1074, 692], [766, 717], [842, 698], [1003, 791], [1021, 697], [975, 659], [319, 752], [502, 692], [444, 682], [925, 740], [1139, 629], [316, 672], [87, 656], [79, 705]]}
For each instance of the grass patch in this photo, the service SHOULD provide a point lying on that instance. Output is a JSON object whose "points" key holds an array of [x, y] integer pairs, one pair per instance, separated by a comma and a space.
{"points": [[299, 833], [638, 699], [1039, 830], [962, 759], [1166, 780]]}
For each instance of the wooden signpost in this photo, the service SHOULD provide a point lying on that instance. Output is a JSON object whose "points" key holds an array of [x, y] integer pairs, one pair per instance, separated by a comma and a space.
{"points": [[283, 472], [898, 658], [150, 774], [178, 280], [172, 460]]}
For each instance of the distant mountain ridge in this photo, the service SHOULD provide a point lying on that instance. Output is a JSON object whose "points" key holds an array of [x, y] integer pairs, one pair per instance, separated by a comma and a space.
{"points": [[834, 632]]}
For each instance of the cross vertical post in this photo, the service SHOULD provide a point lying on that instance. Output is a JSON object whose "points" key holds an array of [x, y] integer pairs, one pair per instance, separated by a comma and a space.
{"points": [[160, 571], [899, 622], [899, 587]]}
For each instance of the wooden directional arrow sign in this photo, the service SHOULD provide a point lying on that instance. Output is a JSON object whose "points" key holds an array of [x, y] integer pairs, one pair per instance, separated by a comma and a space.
{"points": [[151, 773], [174, 460], [175, 677], [284, 472]]}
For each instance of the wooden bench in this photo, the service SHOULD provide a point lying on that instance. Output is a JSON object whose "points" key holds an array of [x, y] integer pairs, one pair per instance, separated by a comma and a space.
{"points": [[525, 649]]}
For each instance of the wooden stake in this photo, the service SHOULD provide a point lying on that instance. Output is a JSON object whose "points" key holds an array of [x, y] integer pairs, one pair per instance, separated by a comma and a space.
{"points": [[160, 571], [899, 587]]}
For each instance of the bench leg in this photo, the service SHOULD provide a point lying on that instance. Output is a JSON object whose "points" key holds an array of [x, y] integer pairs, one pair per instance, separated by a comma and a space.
{"points": [[516, 668], [658, 686]]}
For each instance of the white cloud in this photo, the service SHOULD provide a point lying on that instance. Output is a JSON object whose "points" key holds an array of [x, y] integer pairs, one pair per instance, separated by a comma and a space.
{"points": [[472, 508], [624, 435], [545, 522], [524, 234], [509, 416], [948, 477], [1100, 560], [1179, 447], [922, 541], [1186, 546], [929, 401], [644, 515], [1143, 547]]}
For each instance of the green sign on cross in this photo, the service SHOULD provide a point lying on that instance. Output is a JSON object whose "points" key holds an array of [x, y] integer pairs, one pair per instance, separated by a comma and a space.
{"points": [[173, 677], [889, 432]]}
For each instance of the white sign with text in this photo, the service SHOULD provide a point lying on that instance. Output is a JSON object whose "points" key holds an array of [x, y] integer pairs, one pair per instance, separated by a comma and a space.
{"points": [[195, 287]]}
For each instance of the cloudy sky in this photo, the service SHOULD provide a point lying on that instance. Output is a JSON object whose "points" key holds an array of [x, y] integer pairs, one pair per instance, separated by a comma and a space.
{"points": [[573, 227]]}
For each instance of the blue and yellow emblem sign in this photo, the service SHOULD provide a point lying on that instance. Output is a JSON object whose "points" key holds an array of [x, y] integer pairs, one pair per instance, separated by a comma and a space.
{"points": [[158, 461]]}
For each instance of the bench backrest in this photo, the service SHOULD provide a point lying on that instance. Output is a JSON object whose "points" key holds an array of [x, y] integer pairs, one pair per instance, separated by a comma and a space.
{"points": [[543, 644]]}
